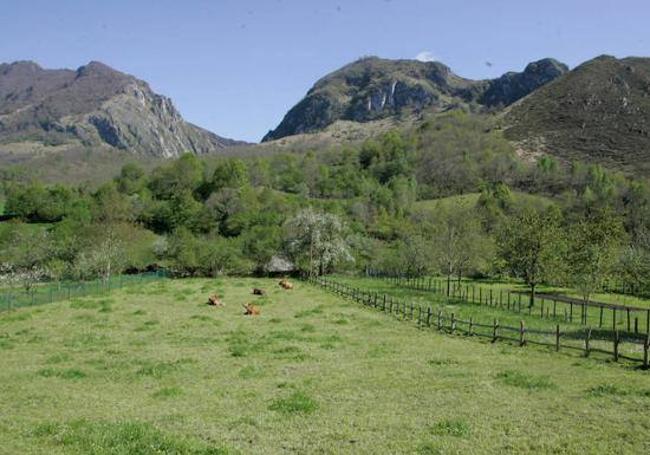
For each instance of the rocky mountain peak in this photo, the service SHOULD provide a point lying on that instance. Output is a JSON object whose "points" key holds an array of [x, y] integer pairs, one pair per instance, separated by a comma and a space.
{"points": [[373, 88], [94, 105]]}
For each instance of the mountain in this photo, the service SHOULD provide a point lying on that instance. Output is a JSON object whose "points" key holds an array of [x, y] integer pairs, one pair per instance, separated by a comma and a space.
{"points": [[598, 112], [94, 106], [373, 88]]}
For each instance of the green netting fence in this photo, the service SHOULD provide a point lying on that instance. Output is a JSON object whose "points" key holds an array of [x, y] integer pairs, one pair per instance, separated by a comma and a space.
{"points": [[66, 290]]}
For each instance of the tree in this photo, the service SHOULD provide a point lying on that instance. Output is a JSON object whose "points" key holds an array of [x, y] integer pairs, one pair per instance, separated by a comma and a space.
{"points": [[531, 245], [107, 258], [593, 248], [23, 253], [260, 243], [131, 179], [231, 173], [458, 242], [413, 255], [181, 175], [634, 263], [316, 240]]}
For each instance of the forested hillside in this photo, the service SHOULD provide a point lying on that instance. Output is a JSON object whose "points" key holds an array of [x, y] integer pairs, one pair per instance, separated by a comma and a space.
{"points": [[371, 206]]}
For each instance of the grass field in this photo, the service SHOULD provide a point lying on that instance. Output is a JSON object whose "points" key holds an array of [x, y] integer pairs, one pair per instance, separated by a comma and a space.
{"points": [[470, 200], [153, 369], [602, 297], [572, 332]]}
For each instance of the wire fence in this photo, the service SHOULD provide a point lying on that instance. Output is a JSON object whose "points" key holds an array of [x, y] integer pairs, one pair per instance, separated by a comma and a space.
{"points": [[613, 345], [52, 292], [607, 316]]}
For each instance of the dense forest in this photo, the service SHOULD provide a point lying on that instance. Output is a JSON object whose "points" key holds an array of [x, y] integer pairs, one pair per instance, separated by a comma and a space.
{"points": [[450, 196]]}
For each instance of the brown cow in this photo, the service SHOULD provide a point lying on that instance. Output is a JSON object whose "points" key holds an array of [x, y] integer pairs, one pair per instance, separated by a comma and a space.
{"points": [[251, 310], [214, 300], [258, 291], [285, 284]]}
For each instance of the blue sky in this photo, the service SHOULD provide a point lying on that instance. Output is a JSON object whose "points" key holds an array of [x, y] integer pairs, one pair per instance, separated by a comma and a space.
{"points": [[235, 67]]}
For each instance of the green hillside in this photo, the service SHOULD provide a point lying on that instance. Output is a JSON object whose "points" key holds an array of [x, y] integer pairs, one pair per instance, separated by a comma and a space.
{"points": [[599, 112]]}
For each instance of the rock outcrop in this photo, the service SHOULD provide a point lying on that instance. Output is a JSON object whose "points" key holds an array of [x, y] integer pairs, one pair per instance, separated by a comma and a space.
{"points": [[374, 88], [95, 105]]}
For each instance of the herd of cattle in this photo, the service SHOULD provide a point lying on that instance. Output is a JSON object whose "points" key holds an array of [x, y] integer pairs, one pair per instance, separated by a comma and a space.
{"points": [[249, 308]]}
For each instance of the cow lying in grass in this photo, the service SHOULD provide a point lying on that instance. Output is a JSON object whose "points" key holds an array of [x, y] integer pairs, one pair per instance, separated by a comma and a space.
{"points": [[258, 291], [214, 300], [251, 310], [285, 284]]}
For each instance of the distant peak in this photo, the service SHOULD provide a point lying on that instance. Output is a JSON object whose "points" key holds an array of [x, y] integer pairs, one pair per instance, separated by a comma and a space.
{"points": [[95, 67], [547, 64], [22, 65]]}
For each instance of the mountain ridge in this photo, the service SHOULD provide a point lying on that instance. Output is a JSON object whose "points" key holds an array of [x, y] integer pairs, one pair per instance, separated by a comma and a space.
{"points": [[372, 88], [95, 105], [599, 111]]}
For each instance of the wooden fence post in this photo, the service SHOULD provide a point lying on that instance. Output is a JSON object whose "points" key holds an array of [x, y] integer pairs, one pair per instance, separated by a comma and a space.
{"points": [[439, 319], [557, 337], [471, 324], [628, 319], [614, 319], [429, 311], [587, 341], [600, 319], [522, 333], [646, 347], [494, 330]]}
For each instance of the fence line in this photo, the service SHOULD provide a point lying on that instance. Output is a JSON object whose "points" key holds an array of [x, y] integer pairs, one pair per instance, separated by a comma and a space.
{"points": [[523, 336], [39, 295], [634, 320]]}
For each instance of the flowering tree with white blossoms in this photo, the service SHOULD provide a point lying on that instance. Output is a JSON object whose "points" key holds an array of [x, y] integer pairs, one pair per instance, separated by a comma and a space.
{"points": [[316, 241]]}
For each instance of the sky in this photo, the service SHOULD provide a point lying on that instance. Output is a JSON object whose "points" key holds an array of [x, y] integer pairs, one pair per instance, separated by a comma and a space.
{"points": [[236, 66]]}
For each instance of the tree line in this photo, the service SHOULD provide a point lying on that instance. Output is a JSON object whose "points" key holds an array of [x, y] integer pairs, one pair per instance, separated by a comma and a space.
{"points": [[344, 208]]}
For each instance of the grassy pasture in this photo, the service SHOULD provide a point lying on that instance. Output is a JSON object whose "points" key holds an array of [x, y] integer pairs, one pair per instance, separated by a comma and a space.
{"points": [[573, 333], [516, 285], [153, 369]]}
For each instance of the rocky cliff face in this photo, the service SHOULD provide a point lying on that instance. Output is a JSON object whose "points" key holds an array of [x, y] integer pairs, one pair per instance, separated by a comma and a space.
{"points": [[373, 88], [513, 86], [95, 105]]}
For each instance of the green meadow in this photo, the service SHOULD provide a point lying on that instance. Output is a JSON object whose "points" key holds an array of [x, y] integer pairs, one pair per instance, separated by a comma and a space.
{"points": [[153, 369]]}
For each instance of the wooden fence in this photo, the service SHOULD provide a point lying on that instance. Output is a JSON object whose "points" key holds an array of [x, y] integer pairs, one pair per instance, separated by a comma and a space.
{"points": [[587, 341], [633, 320]]}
